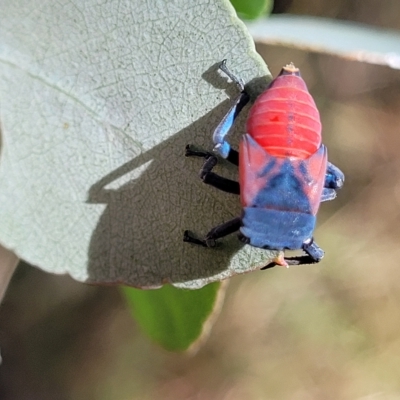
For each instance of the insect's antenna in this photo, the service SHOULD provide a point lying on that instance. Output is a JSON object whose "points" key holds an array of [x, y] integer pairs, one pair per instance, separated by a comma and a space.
{"points": [[239, 82]]}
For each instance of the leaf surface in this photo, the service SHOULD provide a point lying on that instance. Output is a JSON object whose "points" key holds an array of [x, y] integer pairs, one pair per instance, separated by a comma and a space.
{"points": [[97, 102]]}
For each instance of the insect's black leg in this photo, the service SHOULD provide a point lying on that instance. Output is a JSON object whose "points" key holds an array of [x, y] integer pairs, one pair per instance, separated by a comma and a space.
{"points": [[211, 178], [215, 233], [233, 157], [189, 152]]}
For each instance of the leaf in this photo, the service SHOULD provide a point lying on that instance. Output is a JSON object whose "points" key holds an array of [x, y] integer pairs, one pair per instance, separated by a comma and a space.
{"points": [[98, 100], [252, 9], [175, 318], [345, 39]]}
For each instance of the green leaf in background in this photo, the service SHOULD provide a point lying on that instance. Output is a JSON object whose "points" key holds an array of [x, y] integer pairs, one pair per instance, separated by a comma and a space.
{"points": [[98, 101], [251, 9], [174, 318]]}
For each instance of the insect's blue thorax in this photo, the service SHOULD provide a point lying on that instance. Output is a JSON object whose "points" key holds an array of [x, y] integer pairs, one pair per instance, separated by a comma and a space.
{"points": [[284, 191], [279, 216]]}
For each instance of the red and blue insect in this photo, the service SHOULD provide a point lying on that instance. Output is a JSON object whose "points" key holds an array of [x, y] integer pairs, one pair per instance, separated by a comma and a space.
{"points": [[284, 173]]}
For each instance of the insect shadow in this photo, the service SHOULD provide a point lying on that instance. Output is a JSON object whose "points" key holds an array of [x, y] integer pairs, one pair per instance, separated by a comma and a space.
{"points": [[138, 239]]}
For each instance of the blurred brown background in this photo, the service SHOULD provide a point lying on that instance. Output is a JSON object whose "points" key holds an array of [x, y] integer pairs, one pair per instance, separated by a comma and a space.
{"points": [[330, 331]]}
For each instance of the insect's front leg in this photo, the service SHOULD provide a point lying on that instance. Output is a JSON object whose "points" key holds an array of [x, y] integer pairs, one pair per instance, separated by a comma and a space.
{"points": [[221, 146], [334, 179]]}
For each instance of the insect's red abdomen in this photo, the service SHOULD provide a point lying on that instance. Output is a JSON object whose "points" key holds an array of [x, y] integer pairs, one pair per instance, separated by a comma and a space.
{"points": [[284, 120]]}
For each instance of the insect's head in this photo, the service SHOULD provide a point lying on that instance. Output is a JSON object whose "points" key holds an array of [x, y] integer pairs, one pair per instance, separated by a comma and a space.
{"points": [[290, 69]]}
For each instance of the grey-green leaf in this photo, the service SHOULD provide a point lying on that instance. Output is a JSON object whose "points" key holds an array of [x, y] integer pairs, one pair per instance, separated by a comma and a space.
{"points": [[98, 100]]}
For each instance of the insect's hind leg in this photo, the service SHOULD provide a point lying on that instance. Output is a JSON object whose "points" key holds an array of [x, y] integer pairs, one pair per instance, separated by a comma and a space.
{"points": [[313, 250], [215, 233], [328, 194], [211, 178], [334, 177]]}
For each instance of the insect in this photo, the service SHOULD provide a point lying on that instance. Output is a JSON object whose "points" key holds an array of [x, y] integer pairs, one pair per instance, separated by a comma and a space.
{"points": [[284, 173]]}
